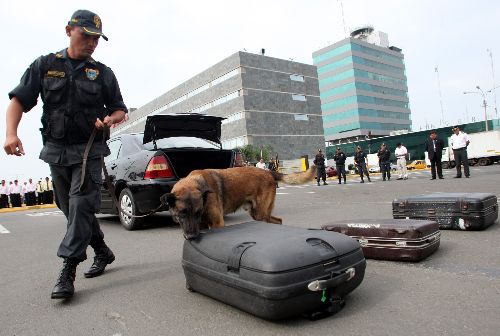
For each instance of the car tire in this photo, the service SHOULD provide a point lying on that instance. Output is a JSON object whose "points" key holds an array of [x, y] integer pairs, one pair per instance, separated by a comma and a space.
{"points": [[126, 203]]}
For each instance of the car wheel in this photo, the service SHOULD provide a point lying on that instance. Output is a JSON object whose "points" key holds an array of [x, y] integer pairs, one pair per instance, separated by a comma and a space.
{"points": [[127, 205]]}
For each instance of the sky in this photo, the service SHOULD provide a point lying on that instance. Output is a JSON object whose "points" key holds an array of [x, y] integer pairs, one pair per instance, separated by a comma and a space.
{"points": [[156, 45]]}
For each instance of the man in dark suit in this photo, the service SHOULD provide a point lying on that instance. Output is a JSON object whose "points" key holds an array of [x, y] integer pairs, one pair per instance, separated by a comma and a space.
{"points": [[434, 147]]}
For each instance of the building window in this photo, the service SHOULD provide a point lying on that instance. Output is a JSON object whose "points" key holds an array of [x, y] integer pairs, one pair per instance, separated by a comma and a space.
{"points": [[297, 78], [299, 97], [301, 117]]}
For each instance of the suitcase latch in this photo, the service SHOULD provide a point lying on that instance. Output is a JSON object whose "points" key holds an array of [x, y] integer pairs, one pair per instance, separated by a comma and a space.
{"points": [[319, 285]]}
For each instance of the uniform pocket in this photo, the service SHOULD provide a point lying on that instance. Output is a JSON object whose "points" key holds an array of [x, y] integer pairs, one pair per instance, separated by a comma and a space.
{"points": [[53, 89], [88, 93], [57, 125]]}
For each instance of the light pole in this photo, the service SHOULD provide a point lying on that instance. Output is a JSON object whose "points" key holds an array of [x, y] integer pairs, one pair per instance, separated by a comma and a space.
{"points": [[490, 53], [483, 94]]}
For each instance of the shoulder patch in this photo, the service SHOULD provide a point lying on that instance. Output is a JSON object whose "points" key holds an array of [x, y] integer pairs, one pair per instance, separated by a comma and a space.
{"points": [[58, 55]]}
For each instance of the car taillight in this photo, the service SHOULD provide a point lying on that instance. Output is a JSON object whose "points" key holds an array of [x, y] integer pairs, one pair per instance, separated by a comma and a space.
{"points": [[238, 160], [158, 168]]}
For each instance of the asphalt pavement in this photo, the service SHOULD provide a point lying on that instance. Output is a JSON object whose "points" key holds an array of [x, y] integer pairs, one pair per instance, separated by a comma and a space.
{"points": [[455, 291]]}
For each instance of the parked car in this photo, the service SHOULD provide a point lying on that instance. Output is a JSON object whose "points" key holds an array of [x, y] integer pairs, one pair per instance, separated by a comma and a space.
{"points": [[416, 164], [374, 169], [330, 171], [394, 167], [144, 166]]}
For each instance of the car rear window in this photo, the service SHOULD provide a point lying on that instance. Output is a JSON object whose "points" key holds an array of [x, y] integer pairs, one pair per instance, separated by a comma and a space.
{"points": [[182, 142]]}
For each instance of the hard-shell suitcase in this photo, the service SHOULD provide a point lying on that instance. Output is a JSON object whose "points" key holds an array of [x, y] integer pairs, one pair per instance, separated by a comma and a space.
{"points": [[392, 239], [274, 271], [463, 211]]}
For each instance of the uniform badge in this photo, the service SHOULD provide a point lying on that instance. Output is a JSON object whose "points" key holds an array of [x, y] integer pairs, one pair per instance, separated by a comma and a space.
{"points": [[92, 73], [97, 21]]}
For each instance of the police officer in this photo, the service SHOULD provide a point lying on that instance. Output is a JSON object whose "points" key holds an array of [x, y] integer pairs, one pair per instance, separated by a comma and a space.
{"points": [[79, 94], [339, 159], [361, 162], [319, 161], [384, 160], [4, 195]]}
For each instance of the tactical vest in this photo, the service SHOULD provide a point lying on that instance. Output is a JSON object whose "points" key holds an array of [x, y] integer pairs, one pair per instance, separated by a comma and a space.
{"points": [[72, 101]]}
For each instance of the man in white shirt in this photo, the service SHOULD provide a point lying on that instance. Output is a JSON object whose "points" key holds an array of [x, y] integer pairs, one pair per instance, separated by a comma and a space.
{"points": [[4, 195], [401, 153], [30, 193], [15, 194], [261, 164], [459, 142]]}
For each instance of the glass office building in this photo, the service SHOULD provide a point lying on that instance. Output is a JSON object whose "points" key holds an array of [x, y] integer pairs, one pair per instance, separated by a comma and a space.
{"points": [[363, 87]]}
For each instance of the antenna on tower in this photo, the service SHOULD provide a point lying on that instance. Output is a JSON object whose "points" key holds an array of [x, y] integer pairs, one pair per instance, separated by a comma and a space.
{"points": [[343, 18], [440, 96]]}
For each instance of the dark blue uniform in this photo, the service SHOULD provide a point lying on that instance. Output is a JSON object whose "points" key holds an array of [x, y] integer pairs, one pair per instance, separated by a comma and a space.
{"points": [[384, 157], [360, 161], [75, 93]]}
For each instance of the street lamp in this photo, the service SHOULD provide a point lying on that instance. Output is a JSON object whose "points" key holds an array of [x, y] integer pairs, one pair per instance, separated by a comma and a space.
{"points": [[483, 94]]}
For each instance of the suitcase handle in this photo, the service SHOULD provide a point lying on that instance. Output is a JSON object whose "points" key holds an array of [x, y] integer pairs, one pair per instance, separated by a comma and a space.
{"points": [[319, 285]]}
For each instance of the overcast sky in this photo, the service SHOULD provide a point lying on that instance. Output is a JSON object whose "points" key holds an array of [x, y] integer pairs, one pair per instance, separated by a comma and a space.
{"points": [[155, 45]]}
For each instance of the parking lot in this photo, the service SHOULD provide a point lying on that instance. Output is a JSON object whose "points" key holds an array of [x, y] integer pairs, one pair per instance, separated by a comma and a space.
{"points": [[456, 291]]}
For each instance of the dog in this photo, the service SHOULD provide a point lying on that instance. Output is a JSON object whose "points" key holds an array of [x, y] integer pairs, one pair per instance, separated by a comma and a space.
{"points": [[201, 199]]}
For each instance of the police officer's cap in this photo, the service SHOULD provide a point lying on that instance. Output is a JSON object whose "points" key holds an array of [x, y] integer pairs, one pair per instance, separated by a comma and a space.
{"points": [[89, 21]]}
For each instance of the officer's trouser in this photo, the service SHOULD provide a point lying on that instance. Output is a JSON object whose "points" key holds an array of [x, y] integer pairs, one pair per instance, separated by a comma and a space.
{"points": [[341, 172], [79, 207], [385, 169], [401, 163], [363, 170], [461, 158], [320, 173], [4, 201], [15, 200]]}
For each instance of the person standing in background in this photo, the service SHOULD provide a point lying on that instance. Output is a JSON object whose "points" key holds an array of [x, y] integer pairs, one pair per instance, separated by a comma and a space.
{"points": [[261, 164], [459, 142], [39, 192], [401, 152], [339, 159], [434, 148], [319, 161], [4, 195], [15, 194], [384, 161], [361, 161]]}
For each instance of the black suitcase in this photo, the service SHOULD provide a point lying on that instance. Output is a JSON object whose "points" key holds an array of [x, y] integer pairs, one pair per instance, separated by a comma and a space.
{"points": [[274, 271], [462, 211], [392, 239]]}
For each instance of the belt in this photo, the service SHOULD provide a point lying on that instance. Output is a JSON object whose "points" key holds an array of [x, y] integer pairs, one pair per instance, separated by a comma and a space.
{"points": [[461, 148]]}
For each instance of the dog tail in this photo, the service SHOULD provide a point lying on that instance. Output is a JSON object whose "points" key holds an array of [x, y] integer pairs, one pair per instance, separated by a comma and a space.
{"points": [[296, 178]]}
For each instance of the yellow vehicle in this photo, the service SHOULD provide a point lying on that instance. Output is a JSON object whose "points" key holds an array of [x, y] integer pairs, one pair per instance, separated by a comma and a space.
{"points": [[417, 164]]}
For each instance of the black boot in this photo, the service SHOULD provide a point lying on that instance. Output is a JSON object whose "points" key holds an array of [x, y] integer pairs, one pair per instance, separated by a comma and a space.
{"points": [[344, 180], [103, 257], [64, 287]]}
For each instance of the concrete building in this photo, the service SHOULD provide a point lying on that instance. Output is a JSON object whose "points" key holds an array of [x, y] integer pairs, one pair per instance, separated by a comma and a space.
{"points": [[265, 100], [362, 86]]}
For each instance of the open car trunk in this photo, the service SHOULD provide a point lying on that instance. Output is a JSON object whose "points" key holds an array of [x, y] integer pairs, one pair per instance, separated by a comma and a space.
{"points": [[186, 160]]}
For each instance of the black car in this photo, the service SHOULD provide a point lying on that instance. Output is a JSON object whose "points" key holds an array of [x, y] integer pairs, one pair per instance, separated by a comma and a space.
{"points": [[144, 166]]}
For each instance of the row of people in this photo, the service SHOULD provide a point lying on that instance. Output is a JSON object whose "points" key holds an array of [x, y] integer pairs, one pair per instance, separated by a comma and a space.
{"points": [[15, 194]]}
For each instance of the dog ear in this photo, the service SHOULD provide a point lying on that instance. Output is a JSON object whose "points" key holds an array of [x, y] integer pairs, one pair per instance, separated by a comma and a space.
{"points": [[168, 199]]}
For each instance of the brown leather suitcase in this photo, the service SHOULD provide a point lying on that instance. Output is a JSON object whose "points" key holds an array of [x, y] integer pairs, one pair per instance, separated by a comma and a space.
{"points": [[392, 239]]}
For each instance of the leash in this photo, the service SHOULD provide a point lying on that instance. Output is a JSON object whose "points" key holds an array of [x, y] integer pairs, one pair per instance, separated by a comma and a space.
{"points": [[111, 187]]}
